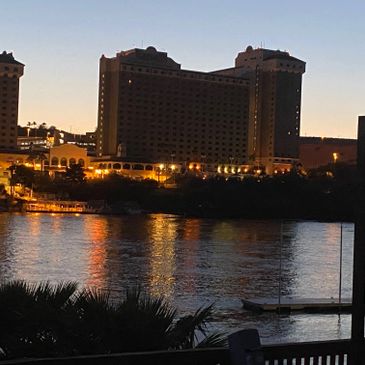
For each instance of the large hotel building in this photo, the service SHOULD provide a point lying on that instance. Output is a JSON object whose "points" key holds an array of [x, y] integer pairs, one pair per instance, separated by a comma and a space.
{"points": [[248, 116], [10, 72]]}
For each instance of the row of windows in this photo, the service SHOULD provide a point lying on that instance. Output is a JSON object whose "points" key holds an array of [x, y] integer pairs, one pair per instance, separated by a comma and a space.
{"points": [[9, 81], [64, 162], [125, 166], [209, 159], [176, 107], [10, 141], [7, 89], [192, 126], [139, 127], [237, 150], [185, 74], [186, 155], [185, 134], [10, 102], [7, 68], [143, 88], [137, 139], [4, 121], [161, 98], [165, 98], [173, 116], [9, 77]]}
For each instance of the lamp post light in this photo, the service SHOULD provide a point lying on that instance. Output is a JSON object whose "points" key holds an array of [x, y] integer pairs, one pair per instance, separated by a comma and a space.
{"points": [[160, 171], [231, 162], [202, 162]]}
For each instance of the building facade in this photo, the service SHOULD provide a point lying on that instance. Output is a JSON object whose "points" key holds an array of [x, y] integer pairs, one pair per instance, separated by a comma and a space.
{"points": [[42, 137], [66, 155], [321, 151], [10, 72], [152, 110], [275, 105]]}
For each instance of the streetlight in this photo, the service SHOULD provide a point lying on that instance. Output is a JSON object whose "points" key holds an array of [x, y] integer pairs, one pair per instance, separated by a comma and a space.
{"points": [[160, 170]]}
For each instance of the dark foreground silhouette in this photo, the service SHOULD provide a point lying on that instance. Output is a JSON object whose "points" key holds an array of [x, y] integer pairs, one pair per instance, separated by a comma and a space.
{"points": [[47, 320]]}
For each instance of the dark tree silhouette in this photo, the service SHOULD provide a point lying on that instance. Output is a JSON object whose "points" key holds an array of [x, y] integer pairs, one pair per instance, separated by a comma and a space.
{"points": [[75, 174]]}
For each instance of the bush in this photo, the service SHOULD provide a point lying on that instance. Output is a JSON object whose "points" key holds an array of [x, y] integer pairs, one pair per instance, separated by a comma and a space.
{"points": [[47, 320]]}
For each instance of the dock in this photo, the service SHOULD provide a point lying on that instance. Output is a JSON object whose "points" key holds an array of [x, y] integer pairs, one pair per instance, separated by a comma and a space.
{"points": [[289, 304]]}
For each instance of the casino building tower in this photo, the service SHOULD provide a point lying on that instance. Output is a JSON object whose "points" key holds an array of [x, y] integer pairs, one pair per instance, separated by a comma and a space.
{"points": [[151, 110]]}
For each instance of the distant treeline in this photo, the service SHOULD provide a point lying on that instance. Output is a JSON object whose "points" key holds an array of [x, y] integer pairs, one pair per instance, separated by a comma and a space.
{"points": [[328, 193]]}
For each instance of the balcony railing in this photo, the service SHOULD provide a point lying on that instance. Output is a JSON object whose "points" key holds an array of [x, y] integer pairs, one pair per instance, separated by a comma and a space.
{"points": [[310, 353]]}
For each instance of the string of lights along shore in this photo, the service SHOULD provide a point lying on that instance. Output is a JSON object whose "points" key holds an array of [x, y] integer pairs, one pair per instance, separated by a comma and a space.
{"points": [[244, 117]]}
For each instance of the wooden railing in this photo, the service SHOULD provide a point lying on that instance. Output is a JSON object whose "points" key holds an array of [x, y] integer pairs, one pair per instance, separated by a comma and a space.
{"points": [[311, 353]]}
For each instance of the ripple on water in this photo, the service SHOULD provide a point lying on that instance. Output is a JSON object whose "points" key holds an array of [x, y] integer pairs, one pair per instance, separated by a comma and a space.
{"points": [[191, 262]]}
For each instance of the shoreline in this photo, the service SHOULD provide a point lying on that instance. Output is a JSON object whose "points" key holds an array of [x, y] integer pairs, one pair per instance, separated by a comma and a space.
{"points": [[192, 216]]}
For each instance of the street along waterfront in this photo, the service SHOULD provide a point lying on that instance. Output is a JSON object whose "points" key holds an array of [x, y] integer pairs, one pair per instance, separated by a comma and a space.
{"points": [[191, 262]]}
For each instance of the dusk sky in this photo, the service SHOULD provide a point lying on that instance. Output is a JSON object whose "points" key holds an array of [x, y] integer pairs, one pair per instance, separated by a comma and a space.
{"points": [[60, 42]]}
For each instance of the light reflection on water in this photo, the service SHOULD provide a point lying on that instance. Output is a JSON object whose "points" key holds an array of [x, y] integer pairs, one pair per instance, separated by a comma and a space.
{"points": [[192, 262]]}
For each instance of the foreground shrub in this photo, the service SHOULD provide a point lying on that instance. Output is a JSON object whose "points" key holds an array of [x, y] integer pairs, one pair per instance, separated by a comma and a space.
{"points": [[59, 320]]}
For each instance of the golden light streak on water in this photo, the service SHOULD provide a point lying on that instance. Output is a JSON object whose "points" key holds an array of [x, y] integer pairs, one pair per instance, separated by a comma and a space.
{"points": [[162, 257], [96, 228]]}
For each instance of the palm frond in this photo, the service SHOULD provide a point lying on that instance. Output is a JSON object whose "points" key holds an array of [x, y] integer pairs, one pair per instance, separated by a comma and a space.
{"points": [[93, 298], [55, 295], [15, 294], [213, 340], [185, 332]]}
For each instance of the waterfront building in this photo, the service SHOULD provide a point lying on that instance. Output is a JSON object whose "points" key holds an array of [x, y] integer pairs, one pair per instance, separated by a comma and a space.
{"points": [[152, 110], [66, 155], [101, 167], [10, 72], [43, 137], [55, 158], [321, 151], [7, 159], [275, 104], [36, 138]]}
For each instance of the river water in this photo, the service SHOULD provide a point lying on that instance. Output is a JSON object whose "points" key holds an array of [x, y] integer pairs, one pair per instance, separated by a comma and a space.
{"points": [[192, 263]]}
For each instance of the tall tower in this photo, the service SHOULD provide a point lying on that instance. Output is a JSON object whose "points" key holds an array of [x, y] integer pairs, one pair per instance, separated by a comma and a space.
{"points": [[152, 110], [118, 95], [10, 72], [275, 104]]}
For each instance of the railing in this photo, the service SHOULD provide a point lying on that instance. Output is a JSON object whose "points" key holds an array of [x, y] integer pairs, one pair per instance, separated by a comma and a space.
{"points": [[311, 353]]}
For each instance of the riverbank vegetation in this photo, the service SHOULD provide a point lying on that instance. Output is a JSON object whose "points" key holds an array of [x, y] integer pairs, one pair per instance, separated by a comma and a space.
{"points": [[45, 320], [327, 193]]}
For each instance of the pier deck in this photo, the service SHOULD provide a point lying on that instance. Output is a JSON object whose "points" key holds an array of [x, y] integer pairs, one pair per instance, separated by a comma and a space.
{"points": [[313, 305]]}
